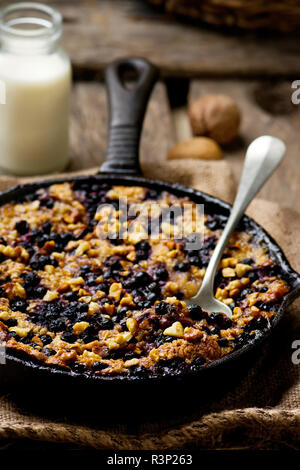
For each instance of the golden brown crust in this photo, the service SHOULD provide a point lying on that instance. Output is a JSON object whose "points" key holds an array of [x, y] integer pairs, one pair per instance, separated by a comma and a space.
{"points": [[73, 298]]}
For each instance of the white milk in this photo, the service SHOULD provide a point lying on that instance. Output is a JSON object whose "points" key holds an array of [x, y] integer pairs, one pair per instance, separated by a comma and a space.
{"points": [[36, 79]]}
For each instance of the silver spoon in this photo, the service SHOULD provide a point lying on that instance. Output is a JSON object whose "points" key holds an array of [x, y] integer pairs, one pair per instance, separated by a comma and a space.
{"points": [[263, 156]]}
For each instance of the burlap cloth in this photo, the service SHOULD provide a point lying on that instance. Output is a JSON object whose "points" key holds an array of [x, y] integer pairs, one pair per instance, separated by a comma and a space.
{"points": [[263, 411]]}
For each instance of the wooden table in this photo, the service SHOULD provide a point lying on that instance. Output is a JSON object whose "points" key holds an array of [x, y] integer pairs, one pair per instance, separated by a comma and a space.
{"points": [[256, 70]]}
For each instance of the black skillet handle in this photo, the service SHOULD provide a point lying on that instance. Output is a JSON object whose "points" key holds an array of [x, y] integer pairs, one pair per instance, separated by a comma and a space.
{"points": [[127, 106]]}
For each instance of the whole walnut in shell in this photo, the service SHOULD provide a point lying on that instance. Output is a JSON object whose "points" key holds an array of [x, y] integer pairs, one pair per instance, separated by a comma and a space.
{"points": [[198, 147], [215, 116]]}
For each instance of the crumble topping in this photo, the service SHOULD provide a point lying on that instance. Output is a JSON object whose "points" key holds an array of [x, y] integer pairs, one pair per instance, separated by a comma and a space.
{"points": [[76, 297]]}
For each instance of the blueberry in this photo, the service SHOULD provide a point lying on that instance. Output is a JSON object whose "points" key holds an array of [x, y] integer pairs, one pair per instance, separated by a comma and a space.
{"points": [[41, 240], [106, 324], [39, 292], [90, 279], [107, 275], [65, 238], [103, 286], [56, 325], [18, 305], [28, 246], [215, 318], [175, 365], [129, 283], [264, 306], [139, 371], [69, 337], [130, 355], [71, 296], [121, 315], [47, 202], [13, 334], [162, 308], [241, 340], [252, 275], [40, 261], [60, 240], [89, 335], [34, 233], [153, 287], [85, 269], [196, 312], [11, 322], [113, 263], [146, 304], [245, 292], [3, 241], [46, 339], [50, 314], [55, 237], [99, 366], [83, 307], [162, 339], [81, 317], [195, 261], [70, 311], [227, 323], [160, 273], [214, 331], [31, 280], [212, 224], [216, 223], [22, 227], [142, 250], [192, 238], [81, 186], [259, 323], [182, 267], [263, 289], [48, 352], [141, 278], [151, 297], [116, 241], [46, 227], [123, 324], [248, 261], [223, 342], [79, 367], [139, 301]]}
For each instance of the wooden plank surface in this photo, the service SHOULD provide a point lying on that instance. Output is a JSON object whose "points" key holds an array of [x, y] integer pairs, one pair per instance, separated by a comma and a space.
{"points": [[89, 122], [266, 109], [97, 31]]}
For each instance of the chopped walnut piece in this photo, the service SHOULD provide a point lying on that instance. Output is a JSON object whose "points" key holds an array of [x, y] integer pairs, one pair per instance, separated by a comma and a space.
{"points": [[176, 329]]}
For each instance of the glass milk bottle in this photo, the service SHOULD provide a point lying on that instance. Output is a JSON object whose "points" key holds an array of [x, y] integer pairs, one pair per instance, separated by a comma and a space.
{"points": [[35, 83]]}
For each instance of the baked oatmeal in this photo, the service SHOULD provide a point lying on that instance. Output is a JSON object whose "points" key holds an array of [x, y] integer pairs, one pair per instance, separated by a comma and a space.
{"points": [[84, 288]]}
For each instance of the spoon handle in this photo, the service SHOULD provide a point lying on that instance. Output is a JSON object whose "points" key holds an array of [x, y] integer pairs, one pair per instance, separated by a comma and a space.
{"points": [[263, 156]]}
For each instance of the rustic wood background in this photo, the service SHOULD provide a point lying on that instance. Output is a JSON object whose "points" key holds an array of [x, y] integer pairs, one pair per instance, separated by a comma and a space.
{"points": [[256, 70]]}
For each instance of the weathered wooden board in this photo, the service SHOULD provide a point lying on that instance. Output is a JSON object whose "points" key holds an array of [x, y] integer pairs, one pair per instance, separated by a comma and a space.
{"points": [[266, 109], [97, 31], [89, 122]]}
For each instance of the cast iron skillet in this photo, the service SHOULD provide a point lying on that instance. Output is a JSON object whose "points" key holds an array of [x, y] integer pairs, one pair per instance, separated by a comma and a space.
{"points": [[127, 108]]}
